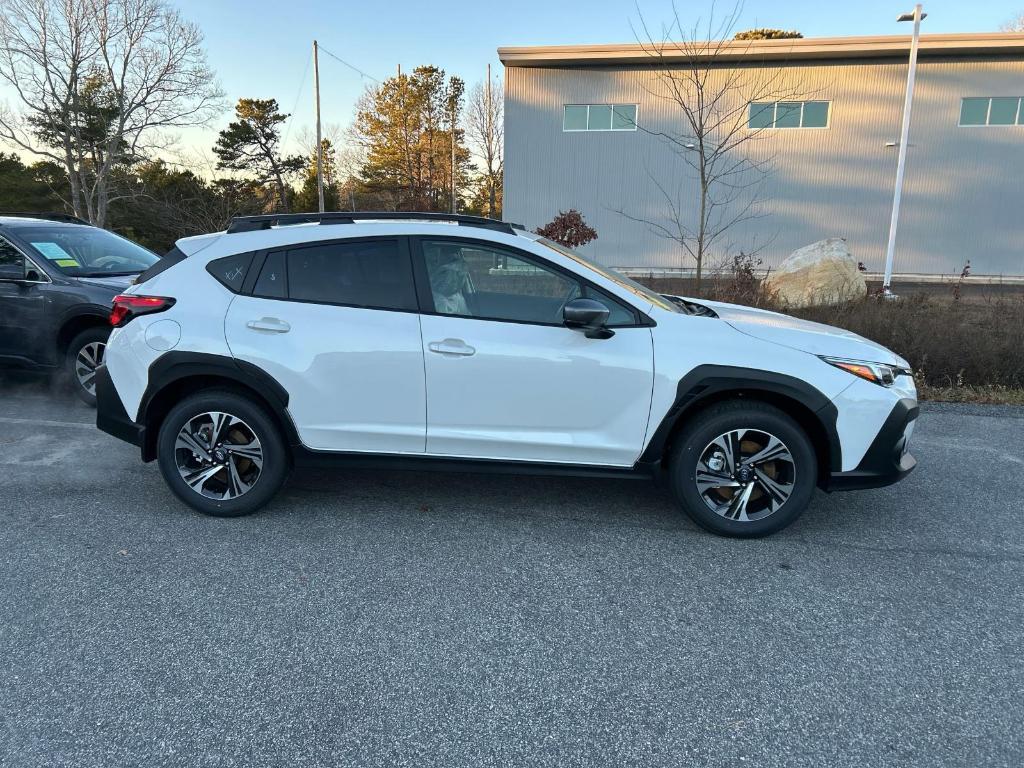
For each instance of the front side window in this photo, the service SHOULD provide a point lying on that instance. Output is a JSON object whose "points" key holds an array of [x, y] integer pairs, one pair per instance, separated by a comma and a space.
{"points": [[475, 280], [997, 110], [88, 251], [641, 292], [788, 114], [373, 273], [12, 263], [599, 117]]}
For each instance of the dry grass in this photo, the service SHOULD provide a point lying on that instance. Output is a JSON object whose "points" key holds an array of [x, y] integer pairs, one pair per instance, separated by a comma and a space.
{"points": [[961, 351]]}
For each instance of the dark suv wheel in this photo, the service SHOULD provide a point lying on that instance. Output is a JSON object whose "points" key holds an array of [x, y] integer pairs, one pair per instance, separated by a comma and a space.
{"points": [[85, 354], [743, 469], [221, 453]]}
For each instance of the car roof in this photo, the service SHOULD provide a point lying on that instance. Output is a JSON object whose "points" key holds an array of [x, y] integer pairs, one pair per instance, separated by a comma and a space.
{"points": [[311, 232], [17, 220]]}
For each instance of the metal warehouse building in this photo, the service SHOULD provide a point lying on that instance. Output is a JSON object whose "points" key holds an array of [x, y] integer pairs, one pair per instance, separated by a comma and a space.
{"points": [[570, 142]]}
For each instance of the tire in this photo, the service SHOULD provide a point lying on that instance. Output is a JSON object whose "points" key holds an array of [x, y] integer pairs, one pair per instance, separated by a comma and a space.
{"points": [[85, 352], [244, 423], [743, 499]]}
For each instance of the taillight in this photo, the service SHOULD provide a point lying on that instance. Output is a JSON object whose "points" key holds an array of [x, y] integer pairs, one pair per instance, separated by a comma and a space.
{"points": [[127, 307]]}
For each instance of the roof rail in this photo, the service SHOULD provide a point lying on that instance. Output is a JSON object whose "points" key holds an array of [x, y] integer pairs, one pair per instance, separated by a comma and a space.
{"points": [[252, 223], [67, 218]]}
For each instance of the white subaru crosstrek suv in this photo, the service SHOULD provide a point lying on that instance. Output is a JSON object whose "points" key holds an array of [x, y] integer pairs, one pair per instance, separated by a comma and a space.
{"points": [[452, 342]]}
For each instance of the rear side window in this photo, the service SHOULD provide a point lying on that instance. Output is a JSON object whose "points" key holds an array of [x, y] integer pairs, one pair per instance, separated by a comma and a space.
{"points": [[231, 270], [168, 260], [372, 273], [273, 282]]}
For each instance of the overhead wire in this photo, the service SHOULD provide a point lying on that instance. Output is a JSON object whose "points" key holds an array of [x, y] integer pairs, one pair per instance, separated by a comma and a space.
{"points": [[302, 85], [350, 66]]}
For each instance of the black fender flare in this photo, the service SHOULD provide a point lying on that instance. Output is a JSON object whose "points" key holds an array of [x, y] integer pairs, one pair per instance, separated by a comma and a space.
{"points": [[705, 382], [176, 366]]}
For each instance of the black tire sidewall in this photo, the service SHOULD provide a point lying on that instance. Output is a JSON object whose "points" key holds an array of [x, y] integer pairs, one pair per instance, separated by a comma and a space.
{"points": [[705, 428], [88, 336], [275, 456]]}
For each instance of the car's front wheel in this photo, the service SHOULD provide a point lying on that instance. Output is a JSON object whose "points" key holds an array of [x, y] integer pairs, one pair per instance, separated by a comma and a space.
{"points": [[222, 454], [743, 469]]}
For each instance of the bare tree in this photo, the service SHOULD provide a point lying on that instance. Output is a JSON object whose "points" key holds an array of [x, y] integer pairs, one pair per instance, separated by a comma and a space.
{"points": [[98, 83], [485, 132], [712, 98], [1014, 25]]}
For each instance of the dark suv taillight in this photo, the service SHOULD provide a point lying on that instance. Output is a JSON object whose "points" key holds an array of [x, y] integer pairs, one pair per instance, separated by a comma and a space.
{"points": [[127, 307]]}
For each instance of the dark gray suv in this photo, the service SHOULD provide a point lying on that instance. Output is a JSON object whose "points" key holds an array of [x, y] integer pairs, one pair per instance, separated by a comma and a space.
{"points": [[58, 275]]}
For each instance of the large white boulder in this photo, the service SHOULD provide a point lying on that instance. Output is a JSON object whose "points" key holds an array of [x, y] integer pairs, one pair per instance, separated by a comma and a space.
{"points": [[821, 273]]}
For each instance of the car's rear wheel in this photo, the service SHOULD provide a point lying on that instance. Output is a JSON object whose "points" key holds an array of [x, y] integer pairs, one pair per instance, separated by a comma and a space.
{"points": [[743, 469], [85, 354], [222, 454]]}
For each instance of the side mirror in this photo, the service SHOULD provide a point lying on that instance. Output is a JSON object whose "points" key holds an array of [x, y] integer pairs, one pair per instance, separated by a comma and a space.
{"points": [[589, 316]]}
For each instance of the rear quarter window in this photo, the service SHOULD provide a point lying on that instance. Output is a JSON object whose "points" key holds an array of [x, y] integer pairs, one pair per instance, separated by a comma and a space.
{"points": [[230, 271]]}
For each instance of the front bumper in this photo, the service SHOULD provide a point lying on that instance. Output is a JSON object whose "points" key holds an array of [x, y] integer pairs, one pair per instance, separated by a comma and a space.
{"points": [[111, 416], [888, 459]]}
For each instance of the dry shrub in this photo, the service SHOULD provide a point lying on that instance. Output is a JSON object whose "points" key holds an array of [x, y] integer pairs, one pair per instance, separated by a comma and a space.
{"points": [[953, 345], [949, 343]]}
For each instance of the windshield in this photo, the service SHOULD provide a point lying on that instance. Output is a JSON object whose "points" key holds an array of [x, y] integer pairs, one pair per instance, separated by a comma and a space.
{"points": [[88, 251], [620, 280]]}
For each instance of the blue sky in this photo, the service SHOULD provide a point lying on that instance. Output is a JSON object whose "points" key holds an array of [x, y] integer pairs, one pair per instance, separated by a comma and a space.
{"points": [[260, 48]]}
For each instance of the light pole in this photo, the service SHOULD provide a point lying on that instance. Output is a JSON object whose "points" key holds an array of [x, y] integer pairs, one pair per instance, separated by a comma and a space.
{"points": [[901, 163]]}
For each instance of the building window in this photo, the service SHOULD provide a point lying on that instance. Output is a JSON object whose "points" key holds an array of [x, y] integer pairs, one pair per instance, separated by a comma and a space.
{"points": [[599, 117], [788, 114], [996, 110]]}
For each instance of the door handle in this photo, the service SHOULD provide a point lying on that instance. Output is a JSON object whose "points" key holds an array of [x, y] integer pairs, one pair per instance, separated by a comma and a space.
{"points": [[270, 324], [451, 347]]}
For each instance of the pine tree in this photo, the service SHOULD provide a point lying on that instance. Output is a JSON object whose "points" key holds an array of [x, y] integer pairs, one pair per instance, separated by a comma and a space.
{"points": [[251, 144], [307, 198], [406, 128]]}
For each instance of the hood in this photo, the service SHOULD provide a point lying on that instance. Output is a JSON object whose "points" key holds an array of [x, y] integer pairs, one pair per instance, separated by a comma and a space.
{"points": [[815, 338], [116, 283]]}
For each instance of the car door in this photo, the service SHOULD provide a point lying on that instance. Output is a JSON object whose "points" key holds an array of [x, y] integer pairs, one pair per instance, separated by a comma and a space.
{"points": [[336, 324], [507, 380], [22, 306]]}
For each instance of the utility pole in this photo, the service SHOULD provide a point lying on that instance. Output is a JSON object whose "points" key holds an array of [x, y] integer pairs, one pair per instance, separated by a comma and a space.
{"points": [[453, 154], [901, 162], [319, 141]]}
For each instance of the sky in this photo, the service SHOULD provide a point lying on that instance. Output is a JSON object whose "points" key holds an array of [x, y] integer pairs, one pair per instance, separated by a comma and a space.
{"points": [[261, 48]]}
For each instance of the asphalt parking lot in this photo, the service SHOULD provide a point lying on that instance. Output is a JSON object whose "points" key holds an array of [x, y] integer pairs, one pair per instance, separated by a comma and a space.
{"points": [[375, 619]]}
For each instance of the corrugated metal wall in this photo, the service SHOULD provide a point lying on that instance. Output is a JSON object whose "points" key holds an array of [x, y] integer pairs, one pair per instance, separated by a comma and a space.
{"points": [[963, 197]]}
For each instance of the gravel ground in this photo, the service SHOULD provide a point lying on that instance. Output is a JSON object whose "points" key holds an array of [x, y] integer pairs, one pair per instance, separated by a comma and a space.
{"points": [[375, 619]]}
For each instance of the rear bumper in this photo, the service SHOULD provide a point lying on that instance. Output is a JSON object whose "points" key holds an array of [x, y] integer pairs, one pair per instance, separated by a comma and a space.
{"points": [[111, 416], [887, 460]]}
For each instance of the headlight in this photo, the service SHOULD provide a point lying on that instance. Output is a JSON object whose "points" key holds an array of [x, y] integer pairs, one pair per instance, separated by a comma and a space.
{"points": [[877, 373]]}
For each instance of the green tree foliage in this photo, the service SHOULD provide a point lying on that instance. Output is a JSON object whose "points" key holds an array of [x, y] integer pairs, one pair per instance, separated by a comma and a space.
{"points": [[767, 34], [406, 128], [251, 145], [27, 188], [92, 115], [160, 204], [486, 194], [307, 198]]}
